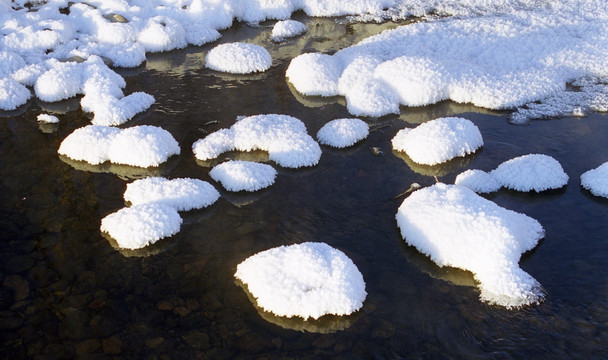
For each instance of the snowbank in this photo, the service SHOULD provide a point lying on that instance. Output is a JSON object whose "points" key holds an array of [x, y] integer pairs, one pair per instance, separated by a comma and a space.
{"points": [[456, 227], [141, 225], [243, 175], [341, 133], [182, 194], [308, 280], [287, 28], [238, 58], [596, 180], [439, 140], [282, 136], [141, 146]]}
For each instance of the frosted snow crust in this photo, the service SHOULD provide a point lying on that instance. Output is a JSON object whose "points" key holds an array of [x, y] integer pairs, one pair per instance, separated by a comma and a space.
{"points": [[456, 227], [532, 172], [287, 28], [511, 55], [439, 140], [141, 146], [596, 180], [181, 194], [341, 133], [282, 136], [236, 175], [138, 226], [238, 58], [307, 280]]}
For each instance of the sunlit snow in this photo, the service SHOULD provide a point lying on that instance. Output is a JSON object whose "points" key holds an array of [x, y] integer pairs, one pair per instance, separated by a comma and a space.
{"points": [[439, 140], [282, 136], [238, 58], [182, 194], [456, 227], [536, 172], [238, 175], [46, 118], [307, 280], [596, 180], [478, 181], [287, 28], [341, 133]]}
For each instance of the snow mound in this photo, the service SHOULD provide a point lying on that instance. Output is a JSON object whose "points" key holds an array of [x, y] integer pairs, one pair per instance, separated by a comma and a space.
{"points": [[479, 181], [181, 194], [282, 136], [138, 226], [237, 175], [308, 280], [12, 94], [456, 227], [596, 180], [238, 58], [341, 133], [439, 140], [314, 74], [141, 146], [536, 172], [46, 118], [287, 28]]}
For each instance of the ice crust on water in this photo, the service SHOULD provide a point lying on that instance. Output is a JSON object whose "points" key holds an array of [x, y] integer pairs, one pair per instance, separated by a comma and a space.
{"points": [[46, 118], [287, 28], [236, 175], [182, 194], [439, 140], [282, 136], [307, 280], [456, 227], [238, 58], [532, 172], [141, 146], [596, 180], [140, 225], [341, 133], [511, 55]]}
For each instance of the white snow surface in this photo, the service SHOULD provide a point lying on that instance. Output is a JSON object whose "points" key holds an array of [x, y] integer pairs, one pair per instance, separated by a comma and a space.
{"points": [[46, 118], [238, 58], [141, 146], [439, 140], [536, 172], [478, 180], [495, 54], [282, 136], [307, 280], [596, 180], [341, 133], [12, 94], [287, 28], [237, 175], [456, 227], [138, 226], [183, 194]]}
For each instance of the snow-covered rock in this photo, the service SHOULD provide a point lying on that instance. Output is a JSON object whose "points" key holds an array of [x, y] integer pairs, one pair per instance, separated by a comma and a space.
{"points": [[287, 28], [307, 280], [238, 175], [456, 227], [182, 194], [596, 180], [536, 172], [238, 58], [341, 133], [478, 180]]}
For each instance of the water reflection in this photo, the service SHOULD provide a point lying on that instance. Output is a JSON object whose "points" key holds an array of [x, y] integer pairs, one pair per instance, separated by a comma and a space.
{"points": [[457, 164], [125, 172]]}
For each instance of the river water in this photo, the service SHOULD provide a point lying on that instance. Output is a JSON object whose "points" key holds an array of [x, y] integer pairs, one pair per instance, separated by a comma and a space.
{"points": [[67, 292]]}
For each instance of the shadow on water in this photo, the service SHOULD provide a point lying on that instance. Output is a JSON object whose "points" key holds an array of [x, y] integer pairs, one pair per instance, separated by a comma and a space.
{"points": [[66, 292]]}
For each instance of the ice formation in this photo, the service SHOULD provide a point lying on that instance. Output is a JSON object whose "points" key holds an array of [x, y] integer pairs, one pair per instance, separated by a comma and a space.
{"points": [[282, 136], [307, 280], [238, 58], [182, 194], [46, 118], [141, 225], [287, 28], [439, 140], [456, 227], [478, 180], [536, 172], [238, 175], [141, 146], [511, 55], [596, 180], [341, 133]]}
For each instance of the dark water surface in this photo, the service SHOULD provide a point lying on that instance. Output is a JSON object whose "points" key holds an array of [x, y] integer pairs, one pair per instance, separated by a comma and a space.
{"points": [[66, 292]]}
